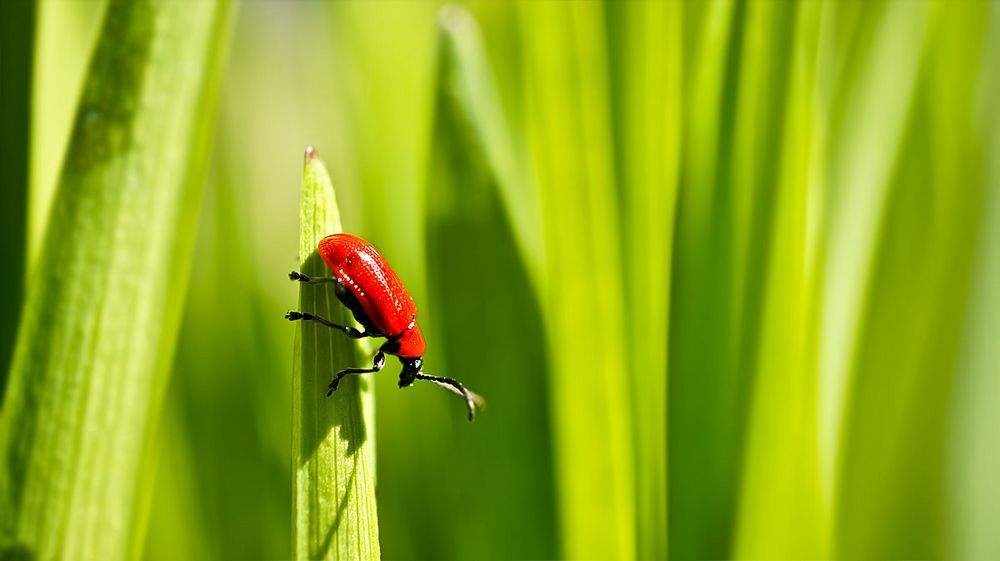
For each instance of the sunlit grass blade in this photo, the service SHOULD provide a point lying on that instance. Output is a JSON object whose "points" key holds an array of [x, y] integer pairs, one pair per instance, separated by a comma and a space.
{"points": [[569, 137], [973, 451], [646, 44], [867, 119], [781, 512], [103, 299], [894, 444], [472, 89], [333, 496], [387, 50], [973, 455]]}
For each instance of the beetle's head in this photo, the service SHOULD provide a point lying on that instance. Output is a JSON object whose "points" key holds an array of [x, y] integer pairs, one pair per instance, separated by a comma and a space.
{"points": [[411, 367]]}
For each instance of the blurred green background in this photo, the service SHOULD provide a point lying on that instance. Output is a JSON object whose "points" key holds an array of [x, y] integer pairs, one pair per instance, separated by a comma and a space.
{"points": [[728, 273]]}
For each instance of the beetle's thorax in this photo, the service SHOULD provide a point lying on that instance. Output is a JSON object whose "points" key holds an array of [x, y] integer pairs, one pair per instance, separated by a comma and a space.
{"points": [[411, 343]]}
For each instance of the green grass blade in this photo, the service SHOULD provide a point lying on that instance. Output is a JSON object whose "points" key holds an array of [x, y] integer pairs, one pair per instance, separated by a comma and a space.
{"points": [[878, 86], [569, 137], [17, 46], [781, 512], [472, 89], [473, 248], [103, 302], [890, 501], [706, 398], [973, 454], [334, 512], [646, 43]]}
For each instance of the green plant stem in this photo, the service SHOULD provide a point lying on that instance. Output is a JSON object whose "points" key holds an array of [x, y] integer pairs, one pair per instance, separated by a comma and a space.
{"points": [[332, 439], [103, 301]]}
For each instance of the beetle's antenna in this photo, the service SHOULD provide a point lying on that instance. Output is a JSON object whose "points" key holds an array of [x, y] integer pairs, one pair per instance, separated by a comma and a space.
{"points": [[472, 400]]}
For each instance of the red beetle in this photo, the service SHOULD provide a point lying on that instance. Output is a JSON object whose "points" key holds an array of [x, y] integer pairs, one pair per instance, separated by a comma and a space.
{"points": [[368, 286]]}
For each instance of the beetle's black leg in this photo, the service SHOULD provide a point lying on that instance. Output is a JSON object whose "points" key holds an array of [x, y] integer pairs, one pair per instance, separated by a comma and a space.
{"points": [[471, 399], [379, 362], [347, 330], [295, 275]]}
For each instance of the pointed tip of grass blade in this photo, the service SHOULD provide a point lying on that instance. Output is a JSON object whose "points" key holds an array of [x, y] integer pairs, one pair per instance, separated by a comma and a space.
{"points": [[319, 213], [454, 18]]}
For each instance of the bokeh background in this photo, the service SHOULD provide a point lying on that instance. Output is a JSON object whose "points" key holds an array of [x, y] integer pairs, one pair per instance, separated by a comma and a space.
{"points": [[728, 273]]}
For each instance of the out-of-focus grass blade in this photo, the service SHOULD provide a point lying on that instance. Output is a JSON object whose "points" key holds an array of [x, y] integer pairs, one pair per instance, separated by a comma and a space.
{"points": [[781, 512], [867, 123], [891, 495], [569, 136], [229, 402], [473, 91], [333, 496], [103, 300], [178, 525], [646, 46], [495, 345], [973, 457], [387, 51], [707, 389], [17, 34]]}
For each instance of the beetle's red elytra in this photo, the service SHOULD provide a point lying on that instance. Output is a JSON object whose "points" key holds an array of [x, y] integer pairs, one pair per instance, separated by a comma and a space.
{"points": [[367, 285], [384, 299]]}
